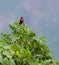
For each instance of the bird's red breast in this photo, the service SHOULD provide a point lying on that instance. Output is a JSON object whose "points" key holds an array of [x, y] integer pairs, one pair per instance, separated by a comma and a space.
{"points": [[21, 19]]}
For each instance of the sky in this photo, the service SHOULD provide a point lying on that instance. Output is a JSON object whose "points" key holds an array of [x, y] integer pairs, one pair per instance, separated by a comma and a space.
{"points": [[42, 16]]}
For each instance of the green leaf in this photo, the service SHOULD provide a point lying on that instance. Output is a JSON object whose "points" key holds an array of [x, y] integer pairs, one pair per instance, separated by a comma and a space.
{"points": [[7, 53], [32, 61], [11, 62]]}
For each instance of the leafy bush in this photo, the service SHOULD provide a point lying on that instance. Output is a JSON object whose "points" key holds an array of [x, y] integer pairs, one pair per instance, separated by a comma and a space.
{"points": [[57, 62], [23, 47]]}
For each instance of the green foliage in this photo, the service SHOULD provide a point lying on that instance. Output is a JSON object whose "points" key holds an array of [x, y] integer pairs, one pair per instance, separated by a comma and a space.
{"points": [[57, 62], [23, 47]]}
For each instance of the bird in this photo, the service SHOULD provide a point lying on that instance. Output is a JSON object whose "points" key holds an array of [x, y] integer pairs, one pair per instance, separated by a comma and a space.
{"points": [[21, 20]]}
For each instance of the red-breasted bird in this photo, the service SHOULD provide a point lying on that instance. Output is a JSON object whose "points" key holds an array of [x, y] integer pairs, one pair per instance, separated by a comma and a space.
{"points": [[21, 20]]}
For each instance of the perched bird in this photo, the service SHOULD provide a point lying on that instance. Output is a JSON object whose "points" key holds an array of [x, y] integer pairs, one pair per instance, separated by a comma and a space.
{"points": [[21, 20]]}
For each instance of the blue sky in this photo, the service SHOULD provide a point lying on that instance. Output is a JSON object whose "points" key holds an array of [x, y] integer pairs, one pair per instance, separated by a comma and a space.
{"points": [[42, 16]]}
